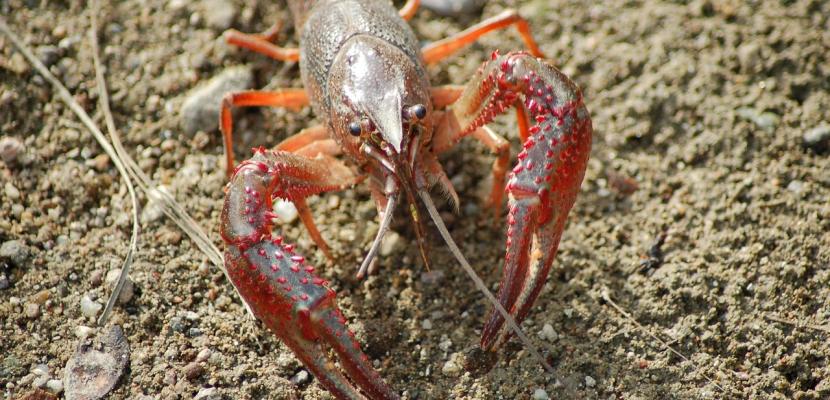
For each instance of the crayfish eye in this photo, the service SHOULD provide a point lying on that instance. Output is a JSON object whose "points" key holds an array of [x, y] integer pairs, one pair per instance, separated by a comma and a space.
{"points": [[355, 129], [419, 111]]}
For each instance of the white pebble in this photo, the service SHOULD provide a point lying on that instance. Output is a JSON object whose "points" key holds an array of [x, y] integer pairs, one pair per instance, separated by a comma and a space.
{"points": [[540, 394], [390, 242], [55, 386], [548, 333], [89, 307], [83, 332], [445, 344], [11, 192], [40, 381], [127, 291], [795, 186], [285, 210], [41, 370], [452, 367], [426, 324], [589, 381]]}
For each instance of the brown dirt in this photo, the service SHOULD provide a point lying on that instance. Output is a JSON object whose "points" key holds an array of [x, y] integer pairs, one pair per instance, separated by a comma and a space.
{"points": [[703, 103]]}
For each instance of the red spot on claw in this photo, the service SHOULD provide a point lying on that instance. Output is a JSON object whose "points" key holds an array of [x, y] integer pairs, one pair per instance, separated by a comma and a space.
{"points": [[282, 279], [297, 258]]}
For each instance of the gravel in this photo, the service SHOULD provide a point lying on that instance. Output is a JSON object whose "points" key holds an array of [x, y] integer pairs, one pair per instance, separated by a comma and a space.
{"points": [[127, 291], [15, 251], [200, 109], [540, 394], [90, 308], [10, 148], [818, 138], [301, 378]]}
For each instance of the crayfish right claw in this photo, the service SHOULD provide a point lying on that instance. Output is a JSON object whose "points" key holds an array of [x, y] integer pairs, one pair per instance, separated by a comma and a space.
{"points": [[543, 185]]}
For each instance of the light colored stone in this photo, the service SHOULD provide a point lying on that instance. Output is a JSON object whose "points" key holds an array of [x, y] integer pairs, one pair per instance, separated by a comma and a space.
{"points": [[390, 243], [127, 291], [89, 307], [200, 109]]}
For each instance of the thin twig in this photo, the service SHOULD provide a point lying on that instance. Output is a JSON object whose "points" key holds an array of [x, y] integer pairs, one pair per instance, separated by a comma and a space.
{"points": [[798, 324], [168, 204], [70, 102], [607, 298], [105, 106]]}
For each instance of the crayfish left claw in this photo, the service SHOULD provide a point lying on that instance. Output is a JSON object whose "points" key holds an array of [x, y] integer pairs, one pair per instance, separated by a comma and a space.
{"points": [[544, 183]]}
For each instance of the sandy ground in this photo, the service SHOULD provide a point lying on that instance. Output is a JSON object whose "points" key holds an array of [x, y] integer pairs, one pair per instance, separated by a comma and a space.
{"points": [[705, 105]]}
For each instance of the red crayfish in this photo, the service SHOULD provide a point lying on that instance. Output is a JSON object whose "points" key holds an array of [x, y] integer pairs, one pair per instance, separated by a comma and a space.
{"points": [[365, 76]]}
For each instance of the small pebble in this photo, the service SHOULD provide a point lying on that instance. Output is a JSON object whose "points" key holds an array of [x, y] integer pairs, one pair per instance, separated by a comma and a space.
{"points": [[41, 297], [152, 212], [204, 355], [48, 54], [4, 282], [200, 109], [445, 343], [11, 192], [101, 162], [540, 394], [208, 394], [41, 370], [32, 310], [83, 332], [89, 307], [177, 325], [14, 251], [453, 8], [169, 377], [40, 381], [219, 14], [795, 186], [168, 236], [452, 367], [426, 324], [193, 370], [54, 385], [301, 378], [749, 55], [10, 148], [390, 243], [764, 120], [285, 210], [817, 138], [589, 381], [96, 277], [127, 291], [548, 333]]}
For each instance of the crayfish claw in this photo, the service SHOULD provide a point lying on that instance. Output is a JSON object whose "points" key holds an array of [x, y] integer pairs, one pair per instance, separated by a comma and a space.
{"points": [[544, 183], [278, 284]]}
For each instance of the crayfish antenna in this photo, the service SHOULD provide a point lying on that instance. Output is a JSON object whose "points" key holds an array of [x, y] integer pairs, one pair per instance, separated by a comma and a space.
{"points": [[439, 223], [386, 219]]}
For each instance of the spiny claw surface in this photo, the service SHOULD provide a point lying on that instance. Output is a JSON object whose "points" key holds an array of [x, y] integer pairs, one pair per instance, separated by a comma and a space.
{"points": [[544, 183], [277, 283]]}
